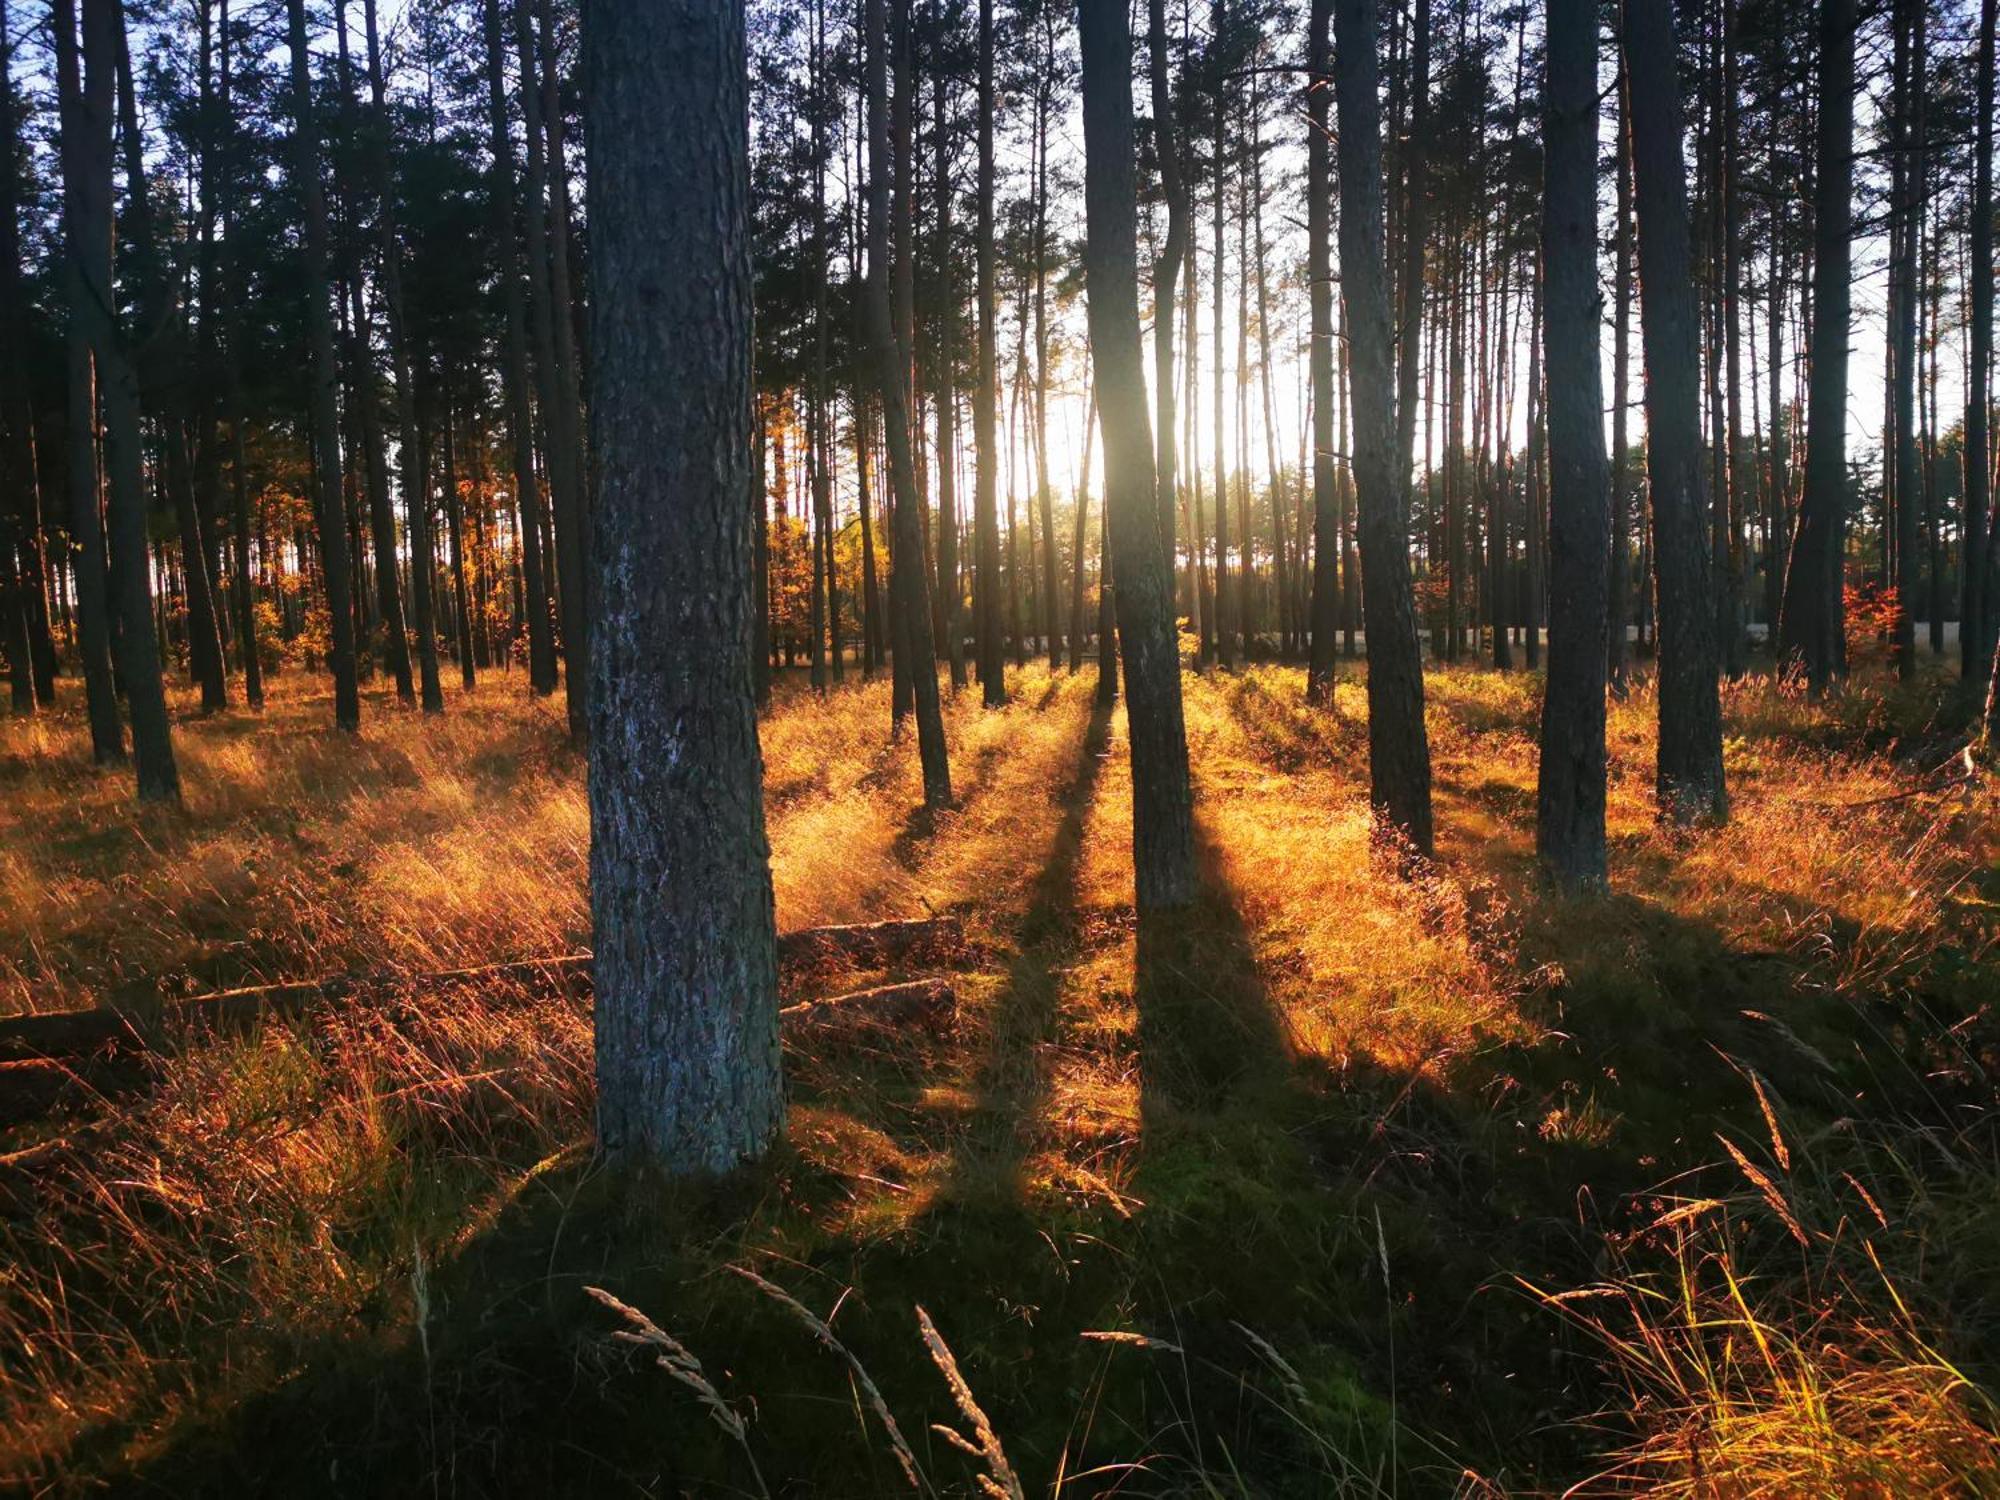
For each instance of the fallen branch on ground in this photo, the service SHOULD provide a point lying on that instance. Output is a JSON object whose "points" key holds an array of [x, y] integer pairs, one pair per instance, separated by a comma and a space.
{"points": [[111, 1029]]}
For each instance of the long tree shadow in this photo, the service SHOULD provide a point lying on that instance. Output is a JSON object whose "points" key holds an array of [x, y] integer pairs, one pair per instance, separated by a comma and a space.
{"points": [[1207, 1024], [1010, 1079]]}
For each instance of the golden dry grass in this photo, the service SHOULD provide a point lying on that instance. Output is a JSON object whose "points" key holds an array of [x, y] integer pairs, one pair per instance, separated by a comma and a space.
{"points": [[1451, 1056]]}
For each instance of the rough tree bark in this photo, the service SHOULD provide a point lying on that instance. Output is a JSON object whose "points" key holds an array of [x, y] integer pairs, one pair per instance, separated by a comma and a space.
{"points": [[1399, 759], [1689, 773], [1319, 273], [514, 369], [686, 968], [909, 595], [1570, 802], [87, 91], [985, 440], [1811, 624], [1162, 796]]}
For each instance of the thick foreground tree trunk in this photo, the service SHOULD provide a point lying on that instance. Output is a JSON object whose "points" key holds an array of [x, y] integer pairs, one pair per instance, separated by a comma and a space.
{"points": [[1689, 775], [1162, 798], [1570, 806], [1399, 757], [685, 940]]}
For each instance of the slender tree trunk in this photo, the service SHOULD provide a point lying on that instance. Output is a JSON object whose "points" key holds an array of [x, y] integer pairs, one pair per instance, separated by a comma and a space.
{"points": [[1227, 608], [1399, 761], [908, 585], [1570, 801], [1908, 176], [1166, 271], [514, 370], [1078, 627], [1689, 777], [1162, 797], [1415, 229], [945, 401], [415, 483], [1811, 626], [985, 443], [1619, 607], [686, 972], [1977, 612], [87, 115], [86, 219], [454, 510], [1319, 275], [550, 315]]}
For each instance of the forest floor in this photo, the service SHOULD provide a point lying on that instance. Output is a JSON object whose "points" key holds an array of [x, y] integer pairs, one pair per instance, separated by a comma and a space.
{"points": [[1349, 1186]]}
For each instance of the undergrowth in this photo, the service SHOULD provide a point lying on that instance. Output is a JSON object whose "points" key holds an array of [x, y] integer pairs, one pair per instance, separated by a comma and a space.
{"points": [[1346, 1185]]}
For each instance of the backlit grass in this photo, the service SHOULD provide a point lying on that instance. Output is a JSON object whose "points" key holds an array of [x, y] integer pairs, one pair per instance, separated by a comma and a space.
{"points": [[1346, 1185]]}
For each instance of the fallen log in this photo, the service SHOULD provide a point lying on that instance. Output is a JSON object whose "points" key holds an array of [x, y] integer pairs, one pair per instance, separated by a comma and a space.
{"points": [[35, 1088], [137, 1027], [916, 1002]]}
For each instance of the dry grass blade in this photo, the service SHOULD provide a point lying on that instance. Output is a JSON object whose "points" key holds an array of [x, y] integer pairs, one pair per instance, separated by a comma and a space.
{"points": [[870, 1392], [1761, 1180], [678, 1361], [999, 1479]]}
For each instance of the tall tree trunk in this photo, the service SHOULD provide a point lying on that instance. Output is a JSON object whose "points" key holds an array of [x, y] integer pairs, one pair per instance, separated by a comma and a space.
{"points": [[230, 273], [1619, 604], [514, 370], [1977, 612], [908, 603], [19, 512], [1812, 625], [454, 510], [87, 94], [1907, 150], [1319, 276], [550, 321], [415, 482], [1078, 626], [1044, 496], [1415, 230], [86, 219], [944, 400], [1399, 760], [576, 587], [1227, 608], [1570, 802], [1977, 400], [985, 441], [686, 971], [1166, 272], [1162, 796], [1689, 775]]}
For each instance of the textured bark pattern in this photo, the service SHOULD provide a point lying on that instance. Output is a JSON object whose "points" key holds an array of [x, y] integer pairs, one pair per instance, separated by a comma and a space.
{"points": [[686, 960], [1162, 799], [1689, 775], [1809, 629], [514, 369], [1570, 803], [985, 437], [909, 595], [1319, 272], [118, 391], [323, 379], [1399, 756], [86, 526]]}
